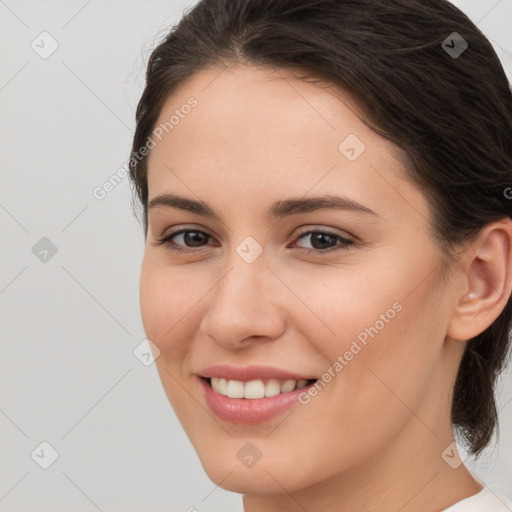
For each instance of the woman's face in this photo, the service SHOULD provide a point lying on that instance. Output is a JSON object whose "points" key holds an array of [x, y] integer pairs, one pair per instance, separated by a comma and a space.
{"points": [[364, 311]]}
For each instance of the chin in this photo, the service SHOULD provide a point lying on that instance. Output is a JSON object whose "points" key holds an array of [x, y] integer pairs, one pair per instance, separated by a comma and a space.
{"points": [[277, 470], [259, 479]]}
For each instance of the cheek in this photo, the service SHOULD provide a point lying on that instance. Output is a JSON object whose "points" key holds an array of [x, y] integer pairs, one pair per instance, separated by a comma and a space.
{"points": [[378, 331], [392, 344], [167, 299], [167, 302], [338, 305]]}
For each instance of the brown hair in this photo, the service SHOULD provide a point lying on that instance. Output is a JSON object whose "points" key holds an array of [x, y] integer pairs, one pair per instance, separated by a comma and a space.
{"points": [[450, 113]]}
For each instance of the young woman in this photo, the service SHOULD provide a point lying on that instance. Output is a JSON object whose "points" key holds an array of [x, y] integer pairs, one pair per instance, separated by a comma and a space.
{"points": [[326, 197]]}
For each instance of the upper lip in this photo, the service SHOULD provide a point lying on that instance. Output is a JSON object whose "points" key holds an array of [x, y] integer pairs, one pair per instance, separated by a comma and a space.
{"points": [[248, 373]]}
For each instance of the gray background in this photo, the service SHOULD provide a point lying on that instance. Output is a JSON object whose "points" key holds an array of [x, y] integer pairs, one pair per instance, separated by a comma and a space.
{"points": [[70, 324]]}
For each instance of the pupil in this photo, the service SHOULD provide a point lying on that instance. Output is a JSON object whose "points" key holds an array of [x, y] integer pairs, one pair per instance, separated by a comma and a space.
{"points": [[322, 238], [191, 237]]}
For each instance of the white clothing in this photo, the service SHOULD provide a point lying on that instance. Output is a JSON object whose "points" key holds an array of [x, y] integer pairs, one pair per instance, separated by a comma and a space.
{"points": [[489, 499]]}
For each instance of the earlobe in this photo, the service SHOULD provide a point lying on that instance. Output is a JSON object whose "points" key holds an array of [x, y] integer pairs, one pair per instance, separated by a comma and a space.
{"points": [[486, 281]]}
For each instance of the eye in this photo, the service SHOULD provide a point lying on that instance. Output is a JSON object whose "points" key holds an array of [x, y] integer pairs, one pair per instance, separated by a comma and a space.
{"points": [[324, 241], [193, 237], [192, 240]]}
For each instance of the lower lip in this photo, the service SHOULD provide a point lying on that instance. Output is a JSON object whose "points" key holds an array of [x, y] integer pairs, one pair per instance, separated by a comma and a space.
{"points": [[249, 411]]}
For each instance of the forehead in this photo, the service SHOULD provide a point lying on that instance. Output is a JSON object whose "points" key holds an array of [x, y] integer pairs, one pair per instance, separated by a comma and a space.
{"points": [[247, 107], [261, 131]]}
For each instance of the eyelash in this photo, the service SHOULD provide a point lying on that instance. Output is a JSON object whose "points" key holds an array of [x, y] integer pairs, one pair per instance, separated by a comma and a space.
{"points": [[346, 243]]}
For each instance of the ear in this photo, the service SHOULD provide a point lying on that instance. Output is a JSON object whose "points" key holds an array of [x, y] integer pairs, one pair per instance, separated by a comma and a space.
{"points": [[485, 281]]}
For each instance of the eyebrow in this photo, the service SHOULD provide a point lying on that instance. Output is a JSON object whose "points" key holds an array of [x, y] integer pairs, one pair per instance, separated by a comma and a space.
{"points": [[279, 209]]}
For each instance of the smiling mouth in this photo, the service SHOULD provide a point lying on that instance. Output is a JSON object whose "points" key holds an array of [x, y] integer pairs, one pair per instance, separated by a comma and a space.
{"points": [[255, 389]]}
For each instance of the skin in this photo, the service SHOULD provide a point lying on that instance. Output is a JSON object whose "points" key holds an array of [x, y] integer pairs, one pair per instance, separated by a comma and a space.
{"points": [[372, 439]]}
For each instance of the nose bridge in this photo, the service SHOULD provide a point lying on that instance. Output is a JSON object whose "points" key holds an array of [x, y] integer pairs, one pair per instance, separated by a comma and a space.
{"points": [[239, 306]]}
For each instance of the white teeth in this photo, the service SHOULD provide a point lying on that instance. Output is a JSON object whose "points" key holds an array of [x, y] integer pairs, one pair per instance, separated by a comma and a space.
{"points": [[254, 388], [288, 385], [220, 384], [272, 388], [235, 389]]}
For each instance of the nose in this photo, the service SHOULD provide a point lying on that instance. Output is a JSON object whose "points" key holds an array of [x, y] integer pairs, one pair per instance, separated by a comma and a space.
{"points": [[241, 308]]}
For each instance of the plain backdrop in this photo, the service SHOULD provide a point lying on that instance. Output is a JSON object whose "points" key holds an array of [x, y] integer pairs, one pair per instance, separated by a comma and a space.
{"points": [[69, 269]]}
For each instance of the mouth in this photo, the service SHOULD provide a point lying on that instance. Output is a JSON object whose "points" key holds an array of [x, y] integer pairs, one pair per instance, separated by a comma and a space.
{"points": [[251, 402], [255, 389]]}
